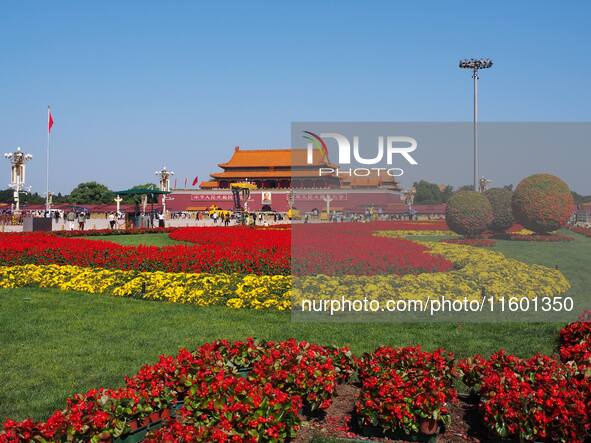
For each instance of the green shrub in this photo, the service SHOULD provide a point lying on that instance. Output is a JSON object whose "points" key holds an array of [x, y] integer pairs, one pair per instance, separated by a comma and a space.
{"points": [[542, 203], [500, 200], [468, 213]]}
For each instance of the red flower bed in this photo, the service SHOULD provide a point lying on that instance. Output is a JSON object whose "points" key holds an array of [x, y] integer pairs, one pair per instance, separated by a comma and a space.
{"points": [[217, 404], [329, 249], [234, 249], [538, 237], [575, 344], [249, 411], [580, 230], [530, 399], [351, 248], [403, 388]]}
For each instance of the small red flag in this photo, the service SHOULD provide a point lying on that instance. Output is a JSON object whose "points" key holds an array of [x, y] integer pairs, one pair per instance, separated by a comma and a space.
{"points": [[49, 120], [196, 180]]}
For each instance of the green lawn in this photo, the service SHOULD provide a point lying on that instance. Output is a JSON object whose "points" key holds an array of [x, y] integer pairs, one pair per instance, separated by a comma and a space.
{"points": [[572, 258], [138, 239], [57, 343]]}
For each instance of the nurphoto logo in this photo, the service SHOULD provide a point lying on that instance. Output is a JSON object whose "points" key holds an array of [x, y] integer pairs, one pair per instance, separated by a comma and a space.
{"points": [[401, 145]]}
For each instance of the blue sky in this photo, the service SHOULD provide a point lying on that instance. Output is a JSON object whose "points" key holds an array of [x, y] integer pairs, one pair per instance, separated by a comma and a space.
{"points": [[137, 85]]}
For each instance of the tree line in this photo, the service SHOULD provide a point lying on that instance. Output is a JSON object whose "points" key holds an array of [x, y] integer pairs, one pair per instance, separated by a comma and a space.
{"points": [[97, 193], [85, 193]]}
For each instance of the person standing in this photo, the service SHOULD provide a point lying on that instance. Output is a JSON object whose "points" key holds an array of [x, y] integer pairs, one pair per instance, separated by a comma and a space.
{"points": [[112, 220], [71, 218], [81, 220]]}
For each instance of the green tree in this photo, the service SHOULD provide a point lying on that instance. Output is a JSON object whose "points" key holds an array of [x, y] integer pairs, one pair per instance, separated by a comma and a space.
{"points": [[431, 193], [7, 196], [91, 193], [136, 199]]}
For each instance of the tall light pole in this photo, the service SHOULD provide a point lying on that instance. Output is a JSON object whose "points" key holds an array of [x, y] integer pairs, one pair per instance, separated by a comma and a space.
{"points": [[475, 65], [18, 160]]}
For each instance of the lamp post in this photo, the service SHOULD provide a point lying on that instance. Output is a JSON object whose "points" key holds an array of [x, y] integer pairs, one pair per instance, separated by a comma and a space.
{"points": [[327, 199], [118, 201], [18, 160], [164, 184], [475, 65], [484, 182]]}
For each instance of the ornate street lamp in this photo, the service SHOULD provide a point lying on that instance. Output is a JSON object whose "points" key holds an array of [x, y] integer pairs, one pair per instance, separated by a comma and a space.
{"points": [[164, 184], [483, 184], [18, 161], [475, 65], [240, 194]]}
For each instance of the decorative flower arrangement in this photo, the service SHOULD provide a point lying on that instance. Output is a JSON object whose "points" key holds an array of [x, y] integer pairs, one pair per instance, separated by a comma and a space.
{"points": [[477, 268], [348, 248], [346, 364], [542, 203], [216, 404], [404, 389], [252, 291], [301, 369], [575, 344], [351, 250], [219, 250], [534, 399], [230, 408], [471, 370]]}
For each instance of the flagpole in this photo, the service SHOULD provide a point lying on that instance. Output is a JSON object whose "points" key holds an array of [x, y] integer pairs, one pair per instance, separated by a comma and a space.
{"points": [[47, 161]]}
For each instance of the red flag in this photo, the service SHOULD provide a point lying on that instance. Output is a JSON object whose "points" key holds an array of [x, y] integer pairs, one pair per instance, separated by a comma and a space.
{"points": [[49, 119], [196, 180]]}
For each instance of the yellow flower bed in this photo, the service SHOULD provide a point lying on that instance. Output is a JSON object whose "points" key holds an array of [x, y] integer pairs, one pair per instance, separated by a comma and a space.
{"points": [[239, 291], [477, 268]]}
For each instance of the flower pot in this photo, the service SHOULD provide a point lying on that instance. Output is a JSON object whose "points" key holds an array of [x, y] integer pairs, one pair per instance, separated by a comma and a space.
{"points": [[174, 411], [134, 425], [429, 427], [134, 437]]}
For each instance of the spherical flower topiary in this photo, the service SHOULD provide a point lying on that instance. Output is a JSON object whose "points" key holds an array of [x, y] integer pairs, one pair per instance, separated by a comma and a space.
{"points": [[468, 213], [500, 200], [542, 203]]}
